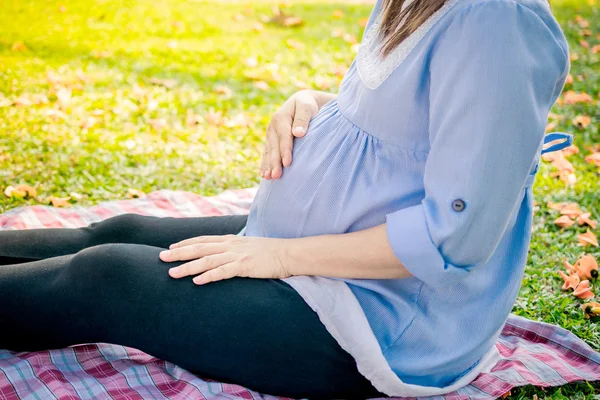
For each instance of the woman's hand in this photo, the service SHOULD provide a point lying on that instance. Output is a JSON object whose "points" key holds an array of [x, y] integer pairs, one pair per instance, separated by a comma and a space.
{"points": [[222, 257], [290, 121]]}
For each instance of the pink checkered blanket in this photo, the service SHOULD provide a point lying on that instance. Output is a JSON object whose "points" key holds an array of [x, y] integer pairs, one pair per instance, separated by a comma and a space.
{"points": [[531, 353]]}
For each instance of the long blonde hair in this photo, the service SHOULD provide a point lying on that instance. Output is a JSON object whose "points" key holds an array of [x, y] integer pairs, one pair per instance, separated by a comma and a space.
{"points": [[398, 23]]}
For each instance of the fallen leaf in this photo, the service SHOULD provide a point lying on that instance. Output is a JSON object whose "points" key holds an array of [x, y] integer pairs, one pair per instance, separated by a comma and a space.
{"points": [[135, 194], [596, 49], [240, 120], [62, 8], [349, 38], [100, 54], [593, 158], [322, 83], [585, 32], [75, 196], [286, 20], [214, 118], [59, 201], [582, 22], [587, 267], [588, 238], [19, 46], [158, 123], [571, 97], [63, 97], [238, 17], [584, 290], [570, 268], [340, 70], [569, 151], [571, 210], [338, 32], [262, 85], [584, 44], [258, 27], [192, 119], [570, 281], [168, 83], [22, 101], [585, 219], [13, 192], [582, 121], [172, 44], [294, 44], [338, 14], [363, 22], [224, 90], [87, 123], [591, 309], [569, 79], [564, 221]]}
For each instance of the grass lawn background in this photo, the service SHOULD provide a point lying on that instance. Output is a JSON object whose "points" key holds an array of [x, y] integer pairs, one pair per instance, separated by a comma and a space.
{"points": [[114, 95]]}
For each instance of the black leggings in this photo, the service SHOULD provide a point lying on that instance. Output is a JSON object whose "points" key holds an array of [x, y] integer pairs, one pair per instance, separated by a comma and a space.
{"points": [[105, 283]]}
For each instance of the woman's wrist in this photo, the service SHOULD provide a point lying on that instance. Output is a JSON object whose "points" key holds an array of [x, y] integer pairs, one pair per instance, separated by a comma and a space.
{"points": [[322, 98]]}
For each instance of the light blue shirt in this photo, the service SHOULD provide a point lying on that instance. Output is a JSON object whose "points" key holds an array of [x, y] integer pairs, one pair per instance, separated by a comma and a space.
{"points": [[441, 141]]}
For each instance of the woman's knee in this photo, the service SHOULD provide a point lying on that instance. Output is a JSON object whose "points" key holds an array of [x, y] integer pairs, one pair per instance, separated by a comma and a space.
{"points": [[119, 229], [111, 263]]}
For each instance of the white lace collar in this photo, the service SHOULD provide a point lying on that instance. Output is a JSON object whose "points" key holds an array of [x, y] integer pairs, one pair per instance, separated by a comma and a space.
{"points": [[373, 71]]}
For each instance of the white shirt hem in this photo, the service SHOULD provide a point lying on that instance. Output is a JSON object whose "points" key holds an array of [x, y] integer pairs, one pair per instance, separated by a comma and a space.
{"points": [[345, 320]]}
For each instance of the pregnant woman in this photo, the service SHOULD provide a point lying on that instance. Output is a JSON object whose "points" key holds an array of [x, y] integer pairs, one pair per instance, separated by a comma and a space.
{"points": [[385, 246]]}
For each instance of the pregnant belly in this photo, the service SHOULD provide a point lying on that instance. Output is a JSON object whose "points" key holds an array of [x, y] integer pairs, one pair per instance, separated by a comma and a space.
{"points": [[341, 180]]}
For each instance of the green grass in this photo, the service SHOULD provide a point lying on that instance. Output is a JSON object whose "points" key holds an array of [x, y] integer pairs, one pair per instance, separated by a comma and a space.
{"points": [[107, 53]]}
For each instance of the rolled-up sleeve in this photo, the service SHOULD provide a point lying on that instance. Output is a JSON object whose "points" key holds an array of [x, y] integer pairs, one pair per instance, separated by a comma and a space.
{"points": [[493, 77]]}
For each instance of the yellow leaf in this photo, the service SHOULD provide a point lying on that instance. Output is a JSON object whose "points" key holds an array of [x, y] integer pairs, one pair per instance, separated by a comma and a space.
{"points": [[19, 46], [60, 201], [338, 14]]}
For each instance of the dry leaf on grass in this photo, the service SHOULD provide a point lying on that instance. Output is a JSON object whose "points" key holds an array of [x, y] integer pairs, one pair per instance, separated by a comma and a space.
{"points": [[584, 290], [582, 121], [564, 221], [588, 239], [262, 85], [20, 191], [571, 97], [61, 202], [585, 219], [168, 83], [135, 194], [591, 309]]}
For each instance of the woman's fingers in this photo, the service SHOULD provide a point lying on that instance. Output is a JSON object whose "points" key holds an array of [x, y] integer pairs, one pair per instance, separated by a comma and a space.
{"points": [[274, 150], [201, 265], [202, 239], [306, 108], [191, 252], [226, 271], [283, 127]]}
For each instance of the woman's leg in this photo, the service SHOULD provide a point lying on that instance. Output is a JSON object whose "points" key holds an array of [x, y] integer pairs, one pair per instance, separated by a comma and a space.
{"points": [[37, 244], [257, 333]]}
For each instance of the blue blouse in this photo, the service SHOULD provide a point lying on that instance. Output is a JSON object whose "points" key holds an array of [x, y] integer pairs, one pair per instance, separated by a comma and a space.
{"points": [[441, 141]]}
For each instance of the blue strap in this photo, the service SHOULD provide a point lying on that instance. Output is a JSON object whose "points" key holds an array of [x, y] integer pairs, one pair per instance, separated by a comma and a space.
{"points": [[558, 146]]}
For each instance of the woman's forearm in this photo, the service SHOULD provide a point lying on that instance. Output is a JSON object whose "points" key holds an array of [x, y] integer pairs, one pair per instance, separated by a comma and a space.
{"points": [[364, 254]]}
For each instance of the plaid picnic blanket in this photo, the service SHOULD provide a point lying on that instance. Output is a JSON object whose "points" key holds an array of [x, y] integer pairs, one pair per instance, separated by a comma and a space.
{"points": [[531, 353]]}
